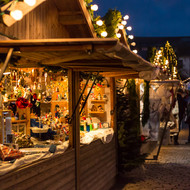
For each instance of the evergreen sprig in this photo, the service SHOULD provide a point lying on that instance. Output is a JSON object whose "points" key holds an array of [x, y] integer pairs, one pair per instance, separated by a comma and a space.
{"points": [[112, 19]]}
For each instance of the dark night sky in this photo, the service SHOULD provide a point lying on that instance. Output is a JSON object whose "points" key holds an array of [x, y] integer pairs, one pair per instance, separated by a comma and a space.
{"points": [[152, 17]]}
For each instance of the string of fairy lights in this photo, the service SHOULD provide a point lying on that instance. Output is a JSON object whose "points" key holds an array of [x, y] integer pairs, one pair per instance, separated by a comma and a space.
{"points": [[122, 25], [17, 14], [166, 60]]}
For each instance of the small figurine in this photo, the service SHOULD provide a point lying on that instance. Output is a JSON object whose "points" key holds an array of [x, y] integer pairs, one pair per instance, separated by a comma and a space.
{"points": [[100, 108]]}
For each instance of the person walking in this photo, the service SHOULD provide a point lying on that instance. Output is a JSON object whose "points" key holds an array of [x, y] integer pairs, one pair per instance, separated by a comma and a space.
{"points": [[182, 104]]}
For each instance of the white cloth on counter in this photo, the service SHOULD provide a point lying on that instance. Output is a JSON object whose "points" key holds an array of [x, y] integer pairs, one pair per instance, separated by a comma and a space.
{"points": [[105, 135], [27, 159]]}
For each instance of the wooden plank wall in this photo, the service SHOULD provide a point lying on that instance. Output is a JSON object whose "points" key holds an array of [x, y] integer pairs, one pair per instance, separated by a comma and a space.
{"points": [[98, 166], [41, 23], [53, 173]]}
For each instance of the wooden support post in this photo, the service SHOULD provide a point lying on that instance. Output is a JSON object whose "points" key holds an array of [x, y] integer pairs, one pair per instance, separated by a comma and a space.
{"points": [[71, 105], [76, 130], [113, 103], [113, 97]]}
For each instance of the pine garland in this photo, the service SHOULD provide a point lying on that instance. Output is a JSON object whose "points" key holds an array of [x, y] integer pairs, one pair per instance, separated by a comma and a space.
{"points": [[112, 19], [128, 123], [99, 78]]}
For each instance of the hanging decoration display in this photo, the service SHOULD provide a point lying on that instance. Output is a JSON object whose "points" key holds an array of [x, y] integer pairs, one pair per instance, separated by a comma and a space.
{"points": [[166, 60], [128, 123]]}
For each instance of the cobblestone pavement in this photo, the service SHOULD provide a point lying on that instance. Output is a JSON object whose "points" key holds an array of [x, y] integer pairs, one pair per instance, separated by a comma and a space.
{"points": [[170, 172]]}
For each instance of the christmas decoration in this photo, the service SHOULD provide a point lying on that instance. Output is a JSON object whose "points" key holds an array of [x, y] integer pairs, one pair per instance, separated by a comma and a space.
{"points": [[112, 19], [22, 103], [128, 123], [166, 60]]}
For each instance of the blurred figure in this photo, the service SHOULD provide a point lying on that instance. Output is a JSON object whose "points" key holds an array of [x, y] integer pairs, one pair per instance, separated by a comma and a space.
{"points": [[182, 104]]}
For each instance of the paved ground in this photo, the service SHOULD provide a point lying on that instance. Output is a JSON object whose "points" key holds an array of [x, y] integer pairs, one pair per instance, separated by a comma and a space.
{"points": [[170, 172]]}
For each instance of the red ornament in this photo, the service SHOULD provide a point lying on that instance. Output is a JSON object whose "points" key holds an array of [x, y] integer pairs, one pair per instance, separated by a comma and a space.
{"points": [[142, 138], [22, 103]]}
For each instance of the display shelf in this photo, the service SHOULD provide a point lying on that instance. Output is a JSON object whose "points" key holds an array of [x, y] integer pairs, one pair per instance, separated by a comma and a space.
{"points": [[97, 112], [59, 101], [11, 100], [98, 101], [19, 121]]}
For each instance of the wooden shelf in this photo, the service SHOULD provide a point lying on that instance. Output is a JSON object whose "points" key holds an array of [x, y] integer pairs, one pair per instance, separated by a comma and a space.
{"points": [[59, 101], [97, 112], [98, 101], [19, 121], [11, 100]]}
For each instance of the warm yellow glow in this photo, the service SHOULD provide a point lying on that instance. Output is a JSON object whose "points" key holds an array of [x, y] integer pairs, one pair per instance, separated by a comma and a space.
{"points": [[104, 34], [30, 2], [135, 51], [124, 22], [99, 22], [118, 35], [126, 17], [94, 7], [129, 28], [131, 37], [167, 62], [16, 14], [121, 27], [133, 44]]}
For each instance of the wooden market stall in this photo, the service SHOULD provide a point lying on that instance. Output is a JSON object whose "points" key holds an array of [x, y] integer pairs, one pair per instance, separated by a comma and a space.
{"points": [[72, 46]]}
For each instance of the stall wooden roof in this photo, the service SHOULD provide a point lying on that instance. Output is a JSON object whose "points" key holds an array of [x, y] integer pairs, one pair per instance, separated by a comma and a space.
{"points": [[49, 19], [86, 54]]}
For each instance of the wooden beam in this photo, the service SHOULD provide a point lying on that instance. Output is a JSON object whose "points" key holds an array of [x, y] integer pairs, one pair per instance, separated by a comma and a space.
{"points": [[71, 106], [87, 17], [115, 74], [56, 48], [76, 122], [130, 76], [66, 58], [61, 41]]}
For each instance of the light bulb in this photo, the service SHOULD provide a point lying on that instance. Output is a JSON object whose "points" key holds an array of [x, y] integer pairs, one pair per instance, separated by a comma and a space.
{"points": [[129, 28], [167, 62], [99, 22], [133, 44], [121, 27], [118, 35], [30, 2], [16, 14], [94, 7], [135, 51], [131, 37], [124, 22], [126, 17], [104, 34]]}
